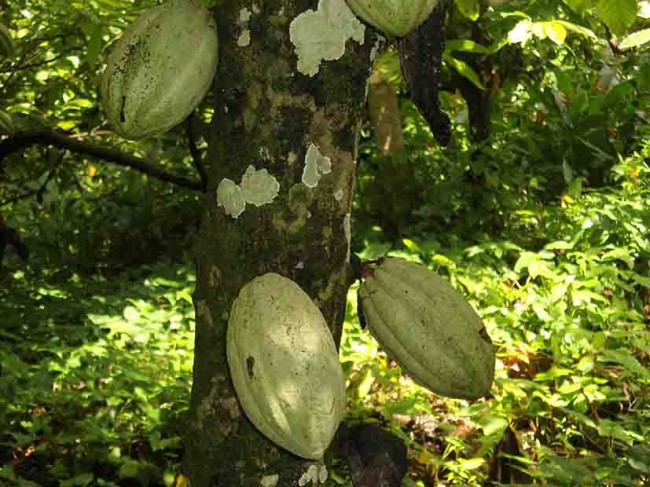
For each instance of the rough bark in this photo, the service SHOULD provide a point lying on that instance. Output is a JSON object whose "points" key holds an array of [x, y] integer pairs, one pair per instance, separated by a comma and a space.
{"points": [[383, 111], [267, 114], [420, 56]]}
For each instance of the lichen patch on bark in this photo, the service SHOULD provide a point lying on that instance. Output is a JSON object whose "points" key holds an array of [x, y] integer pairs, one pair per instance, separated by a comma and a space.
{"points": [[321, 35], [270, 480], [230, 198], [258, 187], [316, 166], [212, 405]]}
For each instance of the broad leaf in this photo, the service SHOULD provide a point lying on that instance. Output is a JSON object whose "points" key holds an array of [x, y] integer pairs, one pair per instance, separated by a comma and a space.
{"points": [[618, 15], [635, 39]]}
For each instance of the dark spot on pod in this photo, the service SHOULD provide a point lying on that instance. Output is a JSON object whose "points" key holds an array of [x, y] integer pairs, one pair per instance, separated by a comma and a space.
{"points": [[122, 116], [484, 335], [250, 363]]}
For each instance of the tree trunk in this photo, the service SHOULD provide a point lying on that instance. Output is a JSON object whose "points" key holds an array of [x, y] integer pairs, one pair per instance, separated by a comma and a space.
{"points": [[270, 115]]}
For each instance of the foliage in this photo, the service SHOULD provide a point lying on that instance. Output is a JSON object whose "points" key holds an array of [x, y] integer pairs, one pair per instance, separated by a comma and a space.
{"points": [[566, 296], [562, 108], [98, 371], [52, 83], [544, 226]]}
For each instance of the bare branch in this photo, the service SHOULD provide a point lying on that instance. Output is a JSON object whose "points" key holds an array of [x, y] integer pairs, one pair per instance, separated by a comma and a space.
{"points": [[22, 140], [195, 152]]}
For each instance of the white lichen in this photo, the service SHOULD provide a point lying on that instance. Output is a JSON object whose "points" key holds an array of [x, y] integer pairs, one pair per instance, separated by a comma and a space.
{"points": [[258, 187], [244, 15], [244, 38], [338, 196], [270, 480], [310, 476], [316, 165], [379, 42], [229, 196], [265, 153], [203, 312], [321, 35], [347, 231], [322, 474]]}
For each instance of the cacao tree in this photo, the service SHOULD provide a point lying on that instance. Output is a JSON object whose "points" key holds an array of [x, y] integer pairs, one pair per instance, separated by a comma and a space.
{"points": [[288, 98]]}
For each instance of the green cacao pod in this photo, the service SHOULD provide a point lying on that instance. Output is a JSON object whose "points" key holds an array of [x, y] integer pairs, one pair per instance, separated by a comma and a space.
{"points": [[393, 17], [428, 328], [160, 69], [284, 365]]}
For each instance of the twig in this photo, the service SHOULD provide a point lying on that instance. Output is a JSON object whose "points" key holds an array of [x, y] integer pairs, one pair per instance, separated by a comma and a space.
{"points": [[22, 140], [195, 153], [38, 192]]}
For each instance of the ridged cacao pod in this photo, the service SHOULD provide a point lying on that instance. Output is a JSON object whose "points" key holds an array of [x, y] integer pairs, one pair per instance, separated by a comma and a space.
{"points": [[160, 69], [428, 328], [393, 17], [284, 365]]}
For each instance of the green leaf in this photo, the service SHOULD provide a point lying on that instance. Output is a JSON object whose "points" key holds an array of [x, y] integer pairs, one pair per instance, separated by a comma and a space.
{"points": [[579, 6], [641, 280], [635, 39], [639, 458], [619, 253], [469, 8], [618, 15], [525, 260], [472, 463], [79, 480], [615, 430], [95, 43], [559, 245], [129, 469], [465, 70], [521, 32], [465, 45], [627, 360], [555, 31], [578, 29], [493, 425], [412, 246]]}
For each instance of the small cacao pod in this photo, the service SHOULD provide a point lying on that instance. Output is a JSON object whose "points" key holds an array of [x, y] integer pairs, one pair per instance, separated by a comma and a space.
{"points": [[160, 69], [393, 17], [284, 365], [428, 328]]}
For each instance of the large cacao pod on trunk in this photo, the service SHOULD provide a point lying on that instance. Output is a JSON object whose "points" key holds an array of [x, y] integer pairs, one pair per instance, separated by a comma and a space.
{"points": [[428, 328], [160, 69], [285, 366], [393, 17]]}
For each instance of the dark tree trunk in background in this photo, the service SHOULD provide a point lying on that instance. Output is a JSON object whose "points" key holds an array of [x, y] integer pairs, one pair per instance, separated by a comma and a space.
{"points": [[267, 114], [478, 100]]}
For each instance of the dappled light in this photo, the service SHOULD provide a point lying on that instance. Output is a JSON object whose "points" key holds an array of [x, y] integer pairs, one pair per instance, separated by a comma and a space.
{"points": [[99, 369], [504, 145]]}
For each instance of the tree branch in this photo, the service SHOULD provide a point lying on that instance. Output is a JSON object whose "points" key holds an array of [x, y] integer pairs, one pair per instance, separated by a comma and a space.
{"points": [[22, 140], [195, 152]]}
